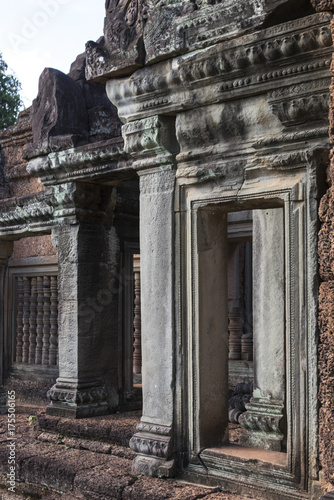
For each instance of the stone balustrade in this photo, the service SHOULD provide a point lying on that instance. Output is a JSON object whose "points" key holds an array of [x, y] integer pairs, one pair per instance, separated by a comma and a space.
{"points": [[36, 320]]}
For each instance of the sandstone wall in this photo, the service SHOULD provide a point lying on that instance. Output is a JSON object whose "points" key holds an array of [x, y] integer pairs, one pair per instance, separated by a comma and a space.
{"points": [[326, 314], [16, 181]]}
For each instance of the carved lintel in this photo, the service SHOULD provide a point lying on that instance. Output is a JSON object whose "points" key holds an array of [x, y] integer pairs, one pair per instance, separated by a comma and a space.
{"points": [[78, 400], [263, 420], [154, 446]]}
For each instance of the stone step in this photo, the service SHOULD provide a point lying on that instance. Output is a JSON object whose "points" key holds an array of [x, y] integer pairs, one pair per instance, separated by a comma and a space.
{"points": [[115, 429], [66, 462]]}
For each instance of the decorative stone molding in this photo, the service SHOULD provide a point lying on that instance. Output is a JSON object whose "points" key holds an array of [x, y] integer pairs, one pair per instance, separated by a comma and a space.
{"points": [[153, 441], [70, 398], [90, 161], [262, 419], [169, 29], [26, 215], [236, 68], [151, 141]]}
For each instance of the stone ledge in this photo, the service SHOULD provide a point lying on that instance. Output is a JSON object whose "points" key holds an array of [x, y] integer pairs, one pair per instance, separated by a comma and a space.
{"points": [[50, 471]]}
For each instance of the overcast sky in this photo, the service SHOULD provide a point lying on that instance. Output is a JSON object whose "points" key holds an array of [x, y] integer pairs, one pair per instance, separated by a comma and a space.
{"points": [[35, 34]]}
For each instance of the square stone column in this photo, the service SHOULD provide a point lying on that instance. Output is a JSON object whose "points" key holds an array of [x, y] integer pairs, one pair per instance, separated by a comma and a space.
{"points": [[153, 441], [265, 411], [6, 248], [151, 143], [88, 282]]}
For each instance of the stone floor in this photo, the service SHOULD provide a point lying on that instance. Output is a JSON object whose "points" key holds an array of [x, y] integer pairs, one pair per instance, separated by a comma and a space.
{"points": [[82, 459]]}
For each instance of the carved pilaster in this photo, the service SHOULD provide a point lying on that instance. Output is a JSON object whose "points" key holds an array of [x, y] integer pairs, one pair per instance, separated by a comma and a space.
{"points": [[152, 143], [88, 321], [46, 320], [32, 321], [19, 320], [53, 352], [26, 315], [39, 321]]}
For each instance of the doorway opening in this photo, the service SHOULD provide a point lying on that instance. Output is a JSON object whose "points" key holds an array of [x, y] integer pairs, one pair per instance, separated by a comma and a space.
{"points": [[241, 331]]}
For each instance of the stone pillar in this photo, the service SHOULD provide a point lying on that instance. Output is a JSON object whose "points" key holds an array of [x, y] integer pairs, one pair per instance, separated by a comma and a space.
{"points": [[264, 415], [88, 281], [149, 142], [6, 248]]}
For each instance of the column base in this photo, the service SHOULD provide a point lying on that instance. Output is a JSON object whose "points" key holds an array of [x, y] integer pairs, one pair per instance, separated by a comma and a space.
{"points": [[153, 443], [262, 421], [154, 467], [3, 402], [78, 399]]}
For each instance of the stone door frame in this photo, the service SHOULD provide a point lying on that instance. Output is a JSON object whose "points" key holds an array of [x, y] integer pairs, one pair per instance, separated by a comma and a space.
{"points": [[300, 215]]}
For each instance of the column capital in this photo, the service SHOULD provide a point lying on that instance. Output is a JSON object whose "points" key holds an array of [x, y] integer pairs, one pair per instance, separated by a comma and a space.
{"points": [[151, 141], [78, 200]]}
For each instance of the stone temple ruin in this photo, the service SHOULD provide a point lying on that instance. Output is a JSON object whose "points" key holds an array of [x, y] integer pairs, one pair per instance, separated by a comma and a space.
{"points": [[196, 134]]}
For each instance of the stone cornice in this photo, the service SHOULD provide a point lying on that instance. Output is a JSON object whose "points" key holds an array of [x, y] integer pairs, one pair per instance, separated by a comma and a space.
{"points": [[105, 161], [26, 215], [280, 56]]}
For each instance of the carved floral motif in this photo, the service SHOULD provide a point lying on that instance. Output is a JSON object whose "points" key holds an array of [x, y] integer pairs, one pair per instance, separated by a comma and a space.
{"points": [[73, 395]]}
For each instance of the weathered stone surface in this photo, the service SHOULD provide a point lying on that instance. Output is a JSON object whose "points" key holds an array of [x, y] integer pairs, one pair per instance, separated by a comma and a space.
{"points": [[87, 360], [33, 247], [174, 28], [14, 179], [121, 50], [322, 5], [326, 370], [326, 306], [154, 435], [59, 109]]}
